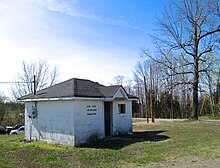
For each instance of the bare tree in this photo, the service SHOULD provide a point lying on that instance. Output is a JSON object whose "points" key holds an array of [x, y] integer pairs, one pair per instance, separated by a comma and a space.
{"points": [[128, 85], [118, 80], [210, 79], [139, 92], [189, 28], [142, 73], [45, 76]]}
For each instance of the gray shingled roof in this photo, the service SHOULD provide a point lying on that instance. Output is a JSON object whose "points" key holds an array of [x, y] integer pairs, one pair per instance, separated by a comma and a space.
{"points": [[109, 91], [75, 88]]}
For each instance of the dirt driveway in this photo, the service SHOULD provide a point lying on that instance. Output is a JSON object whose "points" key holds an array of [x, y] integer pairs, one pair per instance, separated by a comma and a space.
{"points": [[143, 121]]}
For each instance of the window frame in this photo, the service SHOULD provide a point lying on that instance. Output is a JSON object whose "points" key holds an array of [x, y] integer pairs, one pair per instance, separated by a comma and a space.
{"points": [[122, 108]]}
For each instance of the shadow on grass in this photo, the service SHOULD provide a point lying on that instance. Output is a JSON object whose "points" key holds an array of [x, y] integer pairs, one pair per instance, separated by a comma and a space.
{"points": [[118, 142]]}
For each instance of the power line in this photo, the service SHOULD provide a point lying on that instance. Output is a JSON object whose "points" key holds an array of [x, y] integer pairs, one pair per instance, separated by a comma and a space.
{"points": [[34, 82], [14, 82]]}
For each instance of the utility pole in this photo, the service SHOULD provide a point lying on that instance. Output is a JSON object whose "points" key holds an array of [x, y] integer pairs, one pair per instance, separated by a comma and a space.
{"points": [[151, 94], [34, 85], [145, 90]]}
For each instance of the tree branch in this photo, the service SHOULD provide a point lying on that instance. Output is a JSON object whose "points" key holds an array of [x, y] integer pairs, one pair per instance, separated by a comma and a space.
{"points": [[209, 33]]}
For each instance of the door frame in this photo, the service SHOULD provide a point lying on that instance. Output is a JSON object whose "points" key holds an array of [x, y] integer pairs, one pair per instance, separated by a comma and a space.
{"points": [[108, 115]]}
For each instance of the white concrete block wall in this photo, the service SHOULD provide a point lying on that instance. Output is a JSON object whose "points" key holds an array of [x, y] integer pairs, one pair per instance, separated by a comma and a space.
{"points": [[28, 109], [54, 123], [75, 121], [89, 120], [122, 123]]}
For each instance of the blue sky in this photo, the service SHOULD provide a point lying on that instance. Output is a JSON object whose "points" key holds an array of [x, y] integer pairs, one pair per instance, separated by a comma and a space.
{"points": [[90, 39]]}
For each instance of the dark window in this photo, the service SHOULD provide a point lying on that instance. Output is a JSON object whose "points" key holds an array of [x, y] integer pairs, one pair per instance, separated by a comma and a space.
{"points": [[121, 108], [21, 129]]}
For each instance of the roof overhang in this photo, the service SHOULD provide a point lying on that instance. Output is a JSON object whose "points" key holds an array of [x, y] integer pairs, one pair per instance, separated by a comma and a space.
{"points": [[78, 98]]}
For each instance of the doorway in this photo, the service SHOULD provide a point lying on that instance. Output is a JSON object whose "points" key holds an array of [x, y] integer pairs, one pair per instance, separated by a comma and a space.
{"points": [[108, 118]]}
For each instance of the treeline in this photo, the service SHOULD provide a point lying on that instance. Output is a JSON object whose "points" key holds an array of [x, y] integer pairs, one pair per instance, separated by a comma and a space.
{"points": [[186, 62], [173, 94], [11, 113]]}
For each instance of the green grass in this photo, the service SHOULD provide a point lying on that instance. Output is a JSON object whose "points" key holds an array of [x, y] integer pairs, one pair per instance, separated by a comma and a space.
{"points": [[156, 143], [202, 118]]}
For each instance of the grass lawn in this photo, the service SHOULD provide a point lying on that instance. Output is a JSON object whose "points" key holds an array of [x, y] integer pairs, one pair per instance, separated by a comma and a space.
{"points": [[150, 143], [135, 120]]}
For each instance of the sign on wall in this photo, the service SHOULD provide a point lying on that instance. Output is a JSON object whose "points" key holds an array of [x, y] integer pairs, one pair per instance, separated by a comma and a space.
{"points": [[91, 109]]}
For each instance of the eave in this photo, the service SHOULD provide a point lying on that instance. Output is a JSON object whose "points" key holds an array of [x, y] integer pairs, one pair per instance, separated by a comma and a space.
{"points": [[75, 98]]}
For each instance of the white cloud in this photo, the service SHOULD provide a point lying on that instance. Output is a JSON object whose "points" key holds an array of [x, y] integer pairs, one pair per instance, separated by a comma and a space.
{"points": [[71, 8]]}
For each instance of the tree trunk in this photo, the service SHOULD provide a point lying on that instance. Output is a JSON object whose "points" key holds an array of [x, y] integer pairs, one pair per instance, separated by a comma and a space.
{"points": [[146, 99], [151, 95], [195, 100], [195, 111]]}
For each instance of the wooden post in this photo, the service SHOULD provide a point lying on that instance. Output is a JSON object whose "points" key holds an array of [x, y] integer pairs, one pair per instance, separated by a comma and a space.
{"points": [[34, 85], [145, 90], [151, 94]]}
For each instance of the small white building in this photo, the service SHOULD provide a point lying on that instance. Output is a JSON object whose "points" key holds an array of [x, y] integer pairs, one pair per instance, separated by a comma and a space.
{"points": [[76, 111]]}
